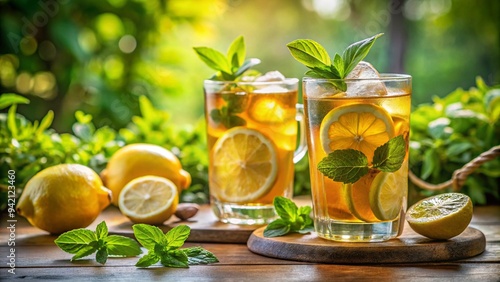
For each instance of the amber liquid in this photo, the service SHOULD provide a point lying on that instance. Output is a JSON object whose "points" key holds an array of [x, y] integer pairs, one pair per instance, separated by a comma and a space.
{"points": [[272, 114], [335, 218]]}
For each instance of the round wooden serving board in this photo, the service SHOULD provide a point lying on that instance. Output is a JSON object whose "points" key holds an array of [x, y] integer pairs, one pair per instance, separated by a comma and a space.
{"points": [[409, 247]]}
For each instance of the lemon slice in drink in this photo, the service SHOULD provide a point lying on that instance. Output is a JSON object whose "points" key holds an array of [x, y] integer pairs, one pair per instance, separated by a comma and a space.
{"points": [[357, 197], [362, 127], [442, 216], [387, 193], [244, 165], [149, 199]]}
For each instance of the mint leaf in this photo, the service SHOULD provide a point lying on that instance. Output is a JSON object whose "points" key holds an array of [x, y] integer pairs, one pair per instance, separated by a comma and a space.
{"points": [[314, 56], [231, 67], [356, 52], [338, 65], [83, 242], [198, 255], [83, 252], [310, 53], [121, 246], [101, 230], [102, 256], [346, 166], [75, 240], [237, 52], [390, 156], [285, 208], [278, 227], [147, 260], [292, 218], [214, 59], [165, 247], [248, 64], [147, 235], [175, 258], [177, 236]]}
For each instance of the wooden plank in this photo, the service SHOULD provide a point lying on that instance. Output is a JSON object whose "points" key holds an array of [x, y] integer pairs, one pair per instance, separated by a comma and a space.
{"points": [[426, 272], [205, 227], [409, 247], [228, 254]]}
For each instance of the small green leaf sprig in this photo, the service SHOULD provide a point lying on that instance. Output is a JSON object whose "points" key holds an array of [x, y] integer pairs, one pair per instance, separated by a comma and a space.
{"points": [[231, 66], [314, 56], [164, 248], [292, 218], [83, 242], [350, 165]]}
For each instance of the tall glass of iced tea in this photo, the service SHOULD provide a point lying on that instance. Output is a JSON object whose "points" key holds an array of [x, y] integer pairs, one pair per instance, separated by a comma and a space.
{"points": [[252, 136], [358, 155]]}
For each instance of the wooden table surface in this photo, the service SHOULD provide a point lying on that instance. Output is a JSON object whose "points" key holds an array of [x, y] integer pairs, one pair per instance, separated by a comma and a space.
{"points": [[38, 258]]}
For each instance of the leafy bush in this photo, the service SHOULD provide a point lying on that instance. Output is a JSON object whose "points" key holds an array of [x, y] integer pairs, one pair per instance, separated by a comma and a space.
{"points": [[452, 131], [28, 147]]}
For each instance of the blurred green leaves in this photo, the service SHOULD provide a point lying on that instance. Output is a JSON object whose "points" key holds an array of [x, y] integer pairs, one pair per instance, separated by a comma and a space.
{"points": [[451, 132], [28, 147]]}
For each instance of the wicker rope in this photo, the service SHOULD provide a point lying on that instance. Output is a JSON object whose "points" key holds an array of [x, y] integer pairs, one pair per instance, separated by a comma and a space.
{"points": [[460, 175]]}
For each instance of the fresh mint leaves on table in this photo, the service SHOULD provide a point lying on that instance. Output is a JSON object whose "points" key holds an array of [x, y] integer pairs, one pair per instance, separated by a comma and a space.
{"points": [[350, 165], [83, 242], [231, 66], [292, 219], [316, 58], [161, 247], [165, 248]]}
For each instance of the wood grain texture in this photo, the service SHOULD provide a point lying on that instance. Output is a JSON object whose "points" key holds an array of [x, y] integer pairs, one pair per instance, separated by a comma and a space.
{"points": [[409, 247]]}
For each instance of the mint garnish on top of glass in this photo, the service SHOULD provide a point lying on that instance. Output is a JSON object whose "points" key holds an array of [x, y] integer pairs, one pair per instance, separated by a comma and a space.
{"points": [[231, 66], [314, 56], [347, 165]]}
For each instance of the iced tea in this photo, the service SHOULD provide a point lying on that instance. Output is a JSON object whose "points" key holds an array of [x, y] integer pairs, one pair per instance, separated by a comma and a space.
{"points": [[370, 207], [252, 136]]}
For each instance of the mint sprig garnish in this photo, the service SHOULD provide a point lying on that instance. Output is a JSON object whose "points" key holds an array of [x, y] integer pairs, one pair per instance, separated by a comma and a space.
{"points": [[314, 56], [166, 248], [292, 219], [83, 242], [231, 66], [349, 165]]}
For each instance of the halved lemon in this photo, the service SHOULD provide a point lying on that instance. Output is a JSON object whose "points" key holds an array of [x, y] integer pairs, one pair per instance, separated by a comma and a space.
{"points": [[442, 216], [387, 193], [362, 127], [244, 165], [149, 199]]}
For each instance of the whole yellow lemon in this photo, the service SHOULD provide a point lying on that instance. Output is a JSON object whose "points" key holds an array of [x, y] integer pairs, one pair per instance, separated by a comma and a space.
{"points": [[136, 160], [63, 197]]}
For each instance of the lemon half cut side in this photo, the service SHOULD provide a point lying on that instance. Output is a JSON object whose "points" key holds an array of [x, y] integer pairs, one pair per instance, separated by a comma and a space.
{"points": [[244, 165], [149, 199], [442, 216]]}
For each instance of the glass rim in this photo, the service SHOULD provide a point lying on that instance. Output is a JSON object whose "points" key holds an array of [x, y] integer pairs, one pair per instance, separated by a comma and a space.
{"points": [[383, 77], [287, 81]]}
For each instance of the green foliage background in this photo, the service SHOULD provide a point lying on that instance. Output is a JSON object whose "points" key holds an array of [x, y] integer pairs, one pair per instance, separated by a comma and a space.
{"points": [[105, 73]]}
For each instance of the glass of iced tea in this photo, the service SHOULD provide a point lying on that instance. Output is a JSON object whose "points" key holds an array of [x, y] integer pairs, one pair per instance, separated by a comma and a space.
{"points": [[252, 141], [358, 155]]}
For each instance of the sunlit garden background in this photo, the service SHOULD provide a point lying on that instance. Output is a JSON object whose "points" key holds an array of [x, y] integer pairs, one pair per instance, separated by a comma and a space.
{"points": [[99, 74]]}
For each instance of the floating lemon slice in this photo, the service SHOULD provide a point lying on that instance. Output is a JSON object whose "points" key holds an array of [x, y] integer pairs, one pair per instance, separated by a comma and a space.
{"points": [[362, 127], [149, 199], [442, 216], [244, 165], [387, 193]]}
